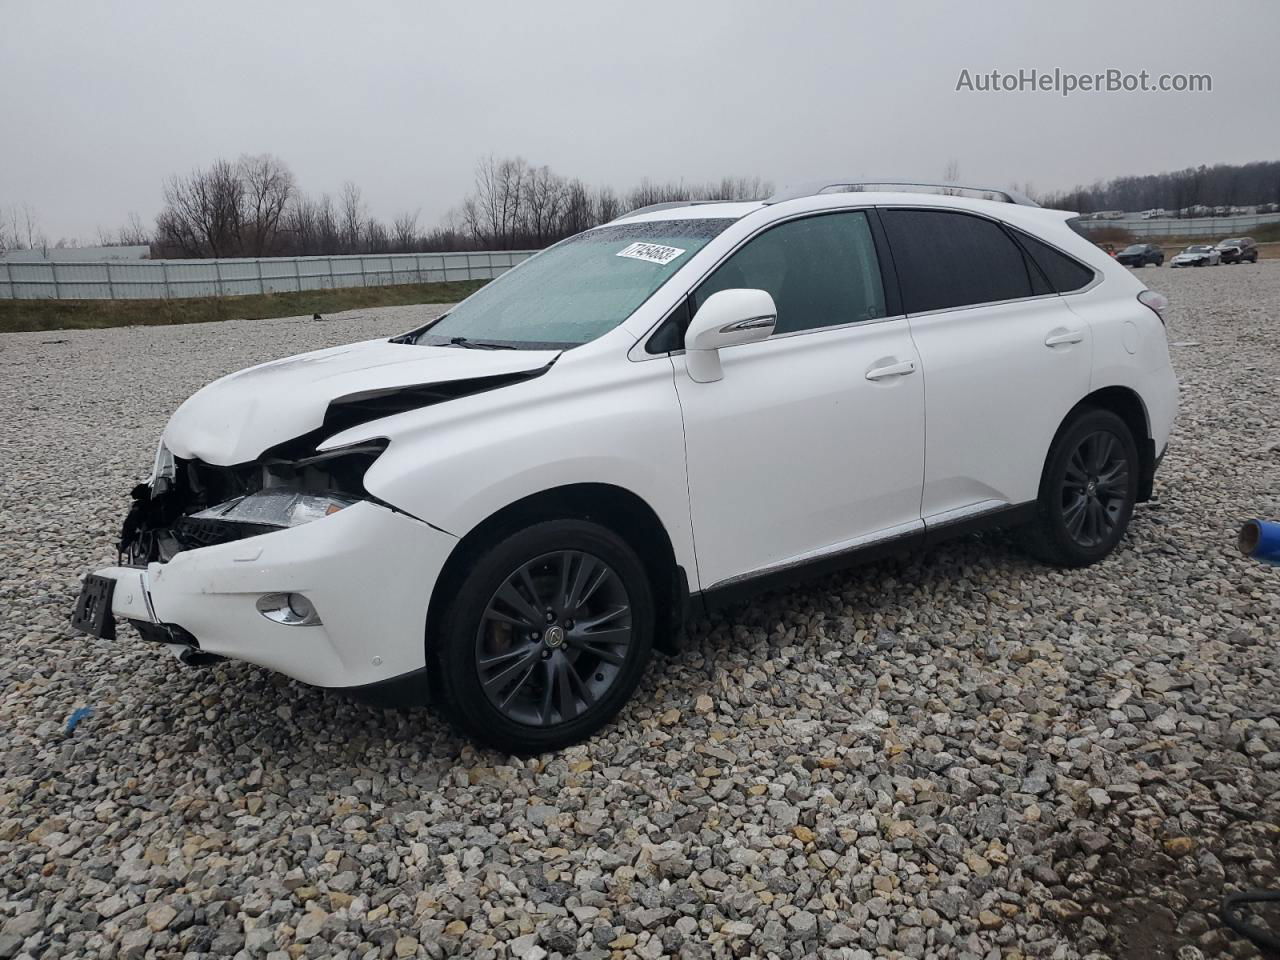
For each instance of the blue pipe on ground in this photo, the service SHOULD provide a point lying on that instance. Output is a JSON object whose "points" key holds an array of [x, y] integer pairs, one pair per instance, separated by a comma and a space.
{"points": [[1260, 539]]}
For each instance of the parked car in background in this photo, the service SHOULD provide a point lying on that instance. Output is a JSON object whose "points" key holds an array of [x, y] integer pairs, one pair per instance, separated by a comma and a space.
{"points": [[506, 509], [1197, 255], [1140, 254], [1238, 250]]}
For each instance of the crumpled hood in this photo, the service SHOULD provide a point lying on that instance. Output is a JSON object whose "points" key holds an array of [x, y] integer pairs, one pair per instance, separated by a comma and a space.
{"points": [[233, 420]]}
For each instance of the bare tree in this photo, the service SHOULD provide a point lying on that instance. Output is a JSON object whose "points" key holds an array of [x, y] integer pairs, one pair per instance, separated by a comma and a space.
{"points": [[608, 206], [579, 211], [352, 217], [267, 188], [374, 237], [951, 174], [253, 207], [202, 214], [404, 231], [497, 208], [9, 230], [132, 234], [544, 202]]}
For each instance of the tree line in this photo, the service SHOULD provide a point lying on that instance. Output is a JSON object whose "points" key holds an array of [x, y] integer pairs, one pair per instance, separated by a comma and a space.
{"points": [[253, 207], [1220, 185]]}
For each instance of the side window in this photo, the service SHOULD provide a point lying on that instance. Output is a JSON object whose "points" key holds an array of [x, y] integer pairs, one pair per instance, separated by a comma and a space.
{"points": [[821, 271], [947, 259], [1065, 273]]}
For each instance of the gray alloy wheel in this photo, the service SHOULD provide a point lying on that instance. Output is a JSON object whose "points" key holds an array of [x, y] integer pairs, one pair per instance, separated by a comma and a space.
{"points": [[1095, 488], [1088, 490], [553, 638], [545, 635]]}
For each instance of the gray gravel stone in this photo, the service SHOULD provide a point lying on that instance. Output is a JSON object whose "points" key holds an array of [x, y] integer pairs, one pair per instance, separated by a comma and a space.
{"points": [[966, 755]]}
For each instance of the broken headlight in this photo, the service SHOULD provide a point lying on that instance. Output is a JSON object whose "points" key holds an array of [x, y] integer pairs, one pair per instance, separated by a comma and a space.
{"points": [[277, 507]]}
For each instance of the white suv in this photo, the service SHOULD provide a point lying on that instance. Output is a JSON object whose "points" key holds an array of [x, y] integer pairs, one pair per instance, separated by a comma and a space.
{"points": [[508, 508]]}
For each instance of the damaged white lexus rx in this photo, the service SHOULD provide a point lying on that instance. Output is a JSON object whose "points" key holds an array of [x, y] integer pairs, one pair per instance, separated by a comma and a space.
{"points": [[504, 511]]}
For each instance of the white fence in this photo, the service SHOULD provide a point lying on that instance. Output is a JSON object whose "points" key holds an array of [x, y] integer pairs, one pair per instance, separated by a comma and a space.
{"points": [[173, 279], [1220, 227]]}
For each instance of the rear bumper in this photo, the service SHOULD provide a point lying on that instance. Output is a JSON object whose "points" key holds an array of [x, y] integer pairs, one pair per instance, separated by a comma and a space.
{"points": [[369, 572]]}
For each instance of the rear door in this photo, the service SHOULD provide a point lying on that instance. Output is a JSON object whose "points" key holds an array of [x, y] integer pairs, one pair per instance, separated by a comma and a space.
{"points": [[1003, 357]]}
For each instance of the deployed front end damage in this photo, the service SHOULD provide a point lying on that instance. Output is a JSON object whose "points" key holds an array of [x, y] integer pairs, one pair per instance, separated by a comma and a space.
{"points": [[189, 504], [283, 559]]}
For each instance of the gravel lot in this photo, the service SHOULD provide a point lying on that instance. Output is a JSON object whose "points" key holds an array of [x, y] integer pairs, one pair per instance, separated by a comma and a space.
{"points": [[965, 756]]}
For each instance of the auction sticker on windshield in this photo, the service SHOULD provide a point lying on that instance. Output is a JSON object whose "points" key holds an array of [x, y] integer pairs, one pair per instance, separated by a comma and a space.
{"points": [[653, 252]]}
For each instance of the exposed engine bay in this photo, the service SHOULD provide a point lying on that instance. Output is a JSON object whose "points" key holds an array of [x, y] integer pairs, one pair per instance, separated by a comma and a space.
{"points": [[173, 513]]}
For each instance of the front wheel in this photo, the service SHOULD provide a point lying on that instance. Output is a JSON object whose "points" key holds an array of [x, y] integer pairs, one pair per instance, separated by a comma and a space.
{"points": [[546, 637], [1087, 491]]}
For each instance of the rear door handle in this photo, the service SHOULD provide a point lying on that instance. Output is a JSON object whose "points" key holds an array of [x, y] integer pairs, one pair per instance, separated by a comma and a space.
{"points": [[1060, 336], [892, 370]]}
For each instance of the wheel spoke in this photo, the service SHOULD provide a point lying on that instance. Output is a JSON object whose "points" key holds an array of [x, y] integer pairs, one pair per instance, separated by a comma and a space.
{"points": [[1077, 476], [1102, 451], [490, 662], [586, 626], [500, 617], [603, 653], [589, 577], [509, 595], [566, 701], [1095, 520], [1074, 515], [613, 635], [548, 692], [499, 680], [518, 684], [534, 596], [584, 691], [566, 561], [1116, 478]]}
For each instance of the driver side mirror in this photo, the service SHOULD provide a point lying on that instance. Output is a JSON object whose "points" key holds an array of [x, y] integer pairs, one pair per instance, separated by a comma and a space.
{"points": [[727, 319]]}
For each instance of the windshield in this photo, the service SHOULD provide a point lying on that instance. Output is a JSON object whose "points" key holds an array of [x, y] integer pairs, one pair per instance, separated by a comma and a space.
{"points": [[1199, 248], [575, 291], [1136, 248], [1231, 243]]}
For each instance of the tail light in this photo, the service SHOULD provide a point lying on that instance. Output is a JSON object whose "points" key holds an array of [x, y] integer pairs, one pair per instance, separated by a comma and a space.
{"points": [[1155, 302]]}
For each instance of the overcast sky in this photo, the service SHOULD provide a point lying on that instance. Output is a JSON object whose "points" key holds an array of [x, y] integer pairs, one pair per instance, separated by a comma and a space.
{"points": [[100, 102]]}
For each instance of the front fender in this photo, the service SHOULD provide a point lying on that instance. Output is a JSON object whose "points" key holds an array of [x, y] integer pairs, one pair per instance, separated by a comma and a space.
{"points": [[592, 419]]}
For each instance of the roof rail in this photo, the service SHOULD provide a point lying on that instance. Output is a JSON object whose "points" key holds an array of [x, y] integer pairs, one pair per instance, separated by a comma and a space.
{"points": [[812, 188], [671, 204]]}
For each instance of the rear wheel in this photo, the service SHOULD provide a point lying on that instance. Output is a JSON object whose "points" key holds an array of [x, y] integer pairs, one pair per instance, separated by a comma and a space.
{"points": [[546, 637], [1087, 492]]}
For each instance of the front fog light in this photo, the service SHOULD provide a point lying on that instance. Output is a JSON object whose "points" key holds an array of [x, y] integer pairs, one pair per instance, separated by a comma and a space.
{"points": [[289, 608]]}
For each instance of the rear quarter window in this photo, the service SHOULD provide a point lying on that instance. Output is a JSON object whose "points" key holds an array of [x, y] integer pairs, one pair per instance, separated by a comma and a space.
{"points": [[1064, 273]]}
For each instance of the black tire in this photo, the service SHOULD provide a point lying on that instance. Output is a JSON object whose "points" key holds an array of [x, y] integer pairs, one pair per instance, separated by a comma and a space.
{"points": [[553, 704], [1081, 518]]}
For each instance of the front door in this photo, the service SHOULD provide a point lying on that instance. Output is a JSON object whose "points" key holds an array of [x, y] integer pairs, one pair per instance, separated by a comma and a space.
{"points": [[813, 441]]}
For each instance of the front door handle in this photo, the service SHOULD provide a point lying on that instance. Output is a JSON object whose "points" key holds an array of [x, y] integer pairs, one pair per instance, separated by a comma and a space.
{"points": [[892, 370], [1061, 336]]}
